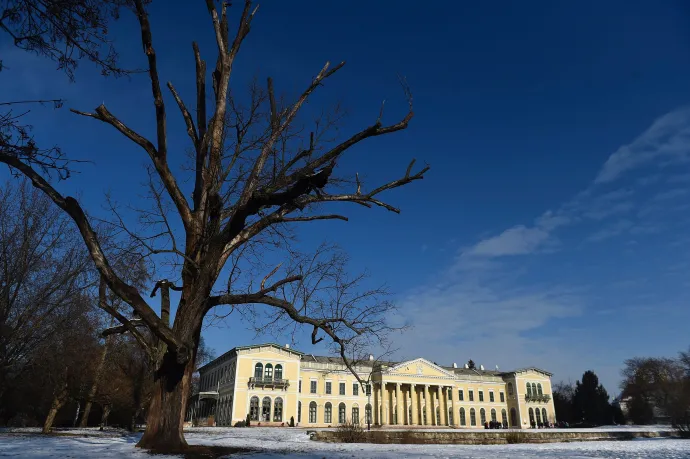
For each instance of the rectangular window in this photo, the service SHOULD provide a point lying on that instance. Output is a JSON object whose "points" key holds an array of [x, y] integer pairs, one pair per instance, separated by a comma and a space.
{"points": [[461, 395], [342, 388], [503, 397], [299, 388], [312, 387], [355, 389], [471, 396], [328, 387], [491, 397], [481, 395]]}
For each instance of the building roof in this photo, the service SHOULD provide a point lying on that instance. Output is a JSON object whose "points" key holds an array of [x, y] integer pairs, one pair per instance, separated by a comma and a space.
{"points": [[251, 346], [326, 359], [526, 369]]}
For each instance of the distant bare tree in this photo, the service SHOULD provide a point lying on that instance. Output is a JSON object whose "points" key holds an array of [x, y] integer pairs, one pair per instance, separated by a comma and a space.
{"points": [[43, 269], [663, 383], [256, 174]]}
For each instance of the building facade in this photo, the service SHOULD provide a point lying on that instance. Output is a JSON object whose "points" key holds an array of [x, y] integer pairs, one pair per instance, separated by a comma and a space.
{"points": [[273, 383]]}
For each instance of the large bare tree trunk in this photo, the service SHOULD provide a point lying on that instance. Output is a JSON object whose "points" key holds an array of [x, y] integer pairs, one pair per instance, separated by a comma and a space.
{"points": [[58, 401], [94, 387], [165, 419]]}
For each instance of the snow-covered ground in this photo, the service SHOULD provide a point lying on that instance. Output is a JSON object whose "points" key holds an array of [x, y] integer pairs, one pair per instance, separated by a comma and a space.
{"points": [[276, 443]]}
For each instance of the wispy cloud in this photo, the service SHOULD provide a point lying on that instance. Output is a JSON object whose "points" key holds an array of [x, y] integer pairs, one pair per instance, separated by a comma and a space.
{"points": [[518, 240], [613, 230], [490, 300], [668, 136]]}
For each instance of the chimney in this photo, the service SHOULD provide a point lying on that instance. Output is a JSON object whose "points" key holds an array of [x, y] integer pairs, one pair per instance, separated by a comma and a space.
{"points": [[455, 365], [287, 346], [467, 366], [481, 367], [371, 357]]}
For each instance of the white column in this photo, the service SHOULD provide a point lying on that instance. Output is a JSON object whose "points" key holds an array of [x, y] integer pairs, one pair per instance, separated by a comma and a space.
{"points": [[427, 405], [398, 405]]}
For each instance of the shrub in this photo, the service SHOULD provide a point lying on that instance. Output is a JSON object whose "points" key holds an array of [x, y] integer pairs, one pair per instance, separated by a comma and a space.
{"points": [[516, 437], [292, 421], [350, 432], [247, 423], [241, 424]]}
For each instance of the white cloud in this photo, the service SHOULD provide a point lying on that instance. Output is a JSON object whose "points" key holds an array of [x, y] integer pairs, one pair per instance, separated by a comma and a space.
{"points": [[669, 136], [476, 311], [610, 231], [671, 194], [518, 240]]}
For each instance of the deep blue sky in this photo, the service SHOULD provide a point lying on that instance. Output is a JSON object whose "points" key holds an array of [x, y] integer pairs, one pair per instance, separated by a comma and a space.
{"points": [[552, 228]]}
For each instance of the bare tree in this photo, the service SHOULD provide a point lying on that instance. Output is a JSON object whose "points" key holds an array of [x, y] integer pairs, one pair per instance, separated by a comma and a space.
{"points": [[256, 174], [65, 31], [43, 268]]}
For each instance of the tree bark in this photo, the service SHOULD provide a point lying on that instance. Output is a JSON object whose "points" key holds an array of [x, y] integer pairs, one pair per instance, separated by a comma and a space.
{"points": [[164, 432], [58, 401], [94, 387], [104, 416]]}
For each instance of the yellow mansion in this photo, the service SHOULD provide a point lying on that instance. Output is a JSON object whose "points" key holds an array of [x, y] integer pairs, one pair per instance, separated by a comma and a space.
{"points": [[273, 383]]}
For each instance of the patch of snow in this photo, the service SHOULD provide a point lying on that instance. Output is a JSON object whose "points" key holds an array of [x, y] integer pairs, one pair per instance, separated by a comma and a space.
{"points": [[282, 443]]}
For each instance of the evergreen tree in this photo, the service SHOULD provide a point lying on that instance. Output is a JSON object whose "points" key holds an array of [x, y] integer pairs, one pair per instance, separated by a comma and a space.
{"points": [[470, 364], [591, 401]]}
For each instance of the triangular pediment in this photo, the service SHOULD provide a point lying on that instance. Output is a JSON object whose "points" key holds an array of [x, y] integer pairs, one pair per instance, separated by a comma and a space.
{"points": [[419, 367]]}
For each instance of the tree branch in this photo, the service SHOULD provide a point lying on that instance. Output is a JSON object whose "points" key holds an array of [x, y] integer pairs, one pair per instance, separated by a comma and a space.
{"points": [[125, 291], [161, 165], [191, 130]]}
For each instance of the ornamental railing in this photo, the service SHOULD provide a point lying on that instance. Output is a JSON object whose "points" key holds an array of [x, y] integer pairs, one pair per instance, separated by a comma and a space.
{"points": [[537, 397], [262, 382]]}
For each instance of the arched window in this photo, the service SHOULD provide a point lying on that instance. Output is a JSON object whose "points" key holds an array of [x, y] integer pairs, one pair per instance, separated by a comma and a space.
{"points": [[473, 417], [463, 421], [328, 413], [510, 388], [513, 418], [254, 409], [450, 416], [278, 410], [545, 419], [312, 412], [342, 414], [539, 389], [258, 370], [266, 409], [367, 413], [531, 417], [538, 416], [279, 372], [482, 415], [268, 373], [299, 412], [529, 389], [355, 414], [534, 389], [493, 415], [438, 416], [504, 418]]}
